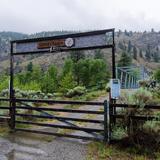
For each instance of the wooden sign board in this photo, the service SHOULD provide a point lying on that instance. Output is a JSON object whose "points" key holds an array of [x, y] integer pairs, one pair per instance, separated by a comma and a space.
{"points": [[49, 44], [78, 41]]}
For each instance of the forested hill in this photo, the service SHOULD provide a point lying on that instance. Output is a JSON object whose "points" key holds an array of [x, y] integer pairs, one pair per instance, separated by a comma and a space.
{"points": [[144, 47], [6, 37]]}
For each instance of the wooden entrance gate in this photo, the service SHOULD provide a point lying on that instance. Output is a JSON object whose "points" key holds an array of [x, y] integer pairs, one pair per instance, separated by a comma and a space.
{"points": [[71, 42], [67, 122]]}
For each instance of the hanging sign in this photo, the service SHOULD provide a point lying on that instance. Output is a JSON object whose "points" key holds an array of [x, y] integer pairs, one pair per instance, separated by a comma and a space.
{"points": [[86, 40]]}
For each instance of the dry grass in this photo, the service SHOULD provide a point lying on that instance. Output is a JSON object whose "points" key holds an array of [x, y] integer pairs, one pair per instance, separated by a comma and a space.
{"points": [[101, 151]]}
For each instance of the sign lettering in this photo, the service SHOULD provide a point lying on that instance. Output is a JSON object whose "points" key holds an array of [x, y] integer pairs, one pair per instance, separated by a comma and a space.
{"points": [[49, 44]]}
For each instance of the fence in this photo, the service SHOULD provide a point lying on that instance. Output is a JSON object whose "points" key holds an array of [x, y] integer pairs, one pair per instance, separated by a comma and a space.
{"points": [[94, 133], [113, 116], [104, 134], [6, 108]]}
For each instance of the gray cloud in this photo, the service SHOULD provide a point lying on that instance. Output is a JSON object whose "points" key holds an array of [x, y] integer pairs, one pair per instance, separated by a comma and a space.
{"points": [[31, 16]]}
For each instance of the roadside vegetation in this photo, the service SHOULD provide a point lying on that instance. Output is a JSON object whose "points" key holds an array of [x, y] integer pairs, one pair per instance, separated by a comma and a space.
{"points": [[83, 78], [119, 151], [135, 139], [79, 75]]}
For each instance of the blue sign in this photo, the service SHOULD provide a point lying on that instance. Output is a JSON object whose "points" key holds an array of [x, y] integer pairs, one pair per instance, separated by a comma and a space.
{"points": [[115, 88]]}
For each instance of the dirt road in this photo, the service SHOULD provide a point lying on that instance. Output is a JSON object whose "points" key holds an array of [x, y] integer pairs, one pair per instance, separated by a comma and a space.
{"points": [[26, 146]]}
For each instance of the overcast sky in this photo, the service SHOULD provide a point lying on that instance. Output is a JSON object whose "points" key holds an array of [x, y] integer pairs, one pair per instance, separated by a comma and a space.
{"points": [[30, 16]]}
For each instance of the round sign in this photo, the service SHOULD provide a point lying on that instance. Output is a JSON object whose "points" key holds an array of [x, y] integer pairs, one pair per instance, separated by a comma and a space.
{"points": [[69, 42]]}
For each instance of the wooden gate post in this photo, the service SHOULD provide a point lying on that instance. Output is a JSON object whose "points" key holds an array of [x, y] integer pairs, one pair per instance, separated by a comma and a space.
{"points": [[12, 92], [106, 122], [12, 114]]}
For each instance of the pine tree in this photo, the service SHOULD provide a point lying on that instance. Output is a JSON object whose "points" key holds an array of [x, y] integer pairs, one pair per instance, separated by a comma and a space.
{"points": [[68, 67], [125, 60], [140, 53], [119, 33], [156, 56], [130, 33], [49, 83], [126, 33], [67, 82], [76, 56], [30, 67], [148, 53], [122, 46], [129, 46], [98, 54], [135, 52], [152, 30], [37, 73], [157, 75]]}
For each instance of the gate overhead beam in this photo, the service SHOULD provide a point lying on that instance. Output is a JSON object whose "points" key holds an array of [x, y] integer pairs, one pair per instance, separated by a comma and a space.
{"points": [[81, 41]]}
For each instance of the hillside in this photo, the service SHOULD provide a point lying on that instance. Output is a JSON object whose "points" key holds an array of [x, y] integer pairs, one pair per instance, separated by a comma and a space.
{"points": [[144, 47]]}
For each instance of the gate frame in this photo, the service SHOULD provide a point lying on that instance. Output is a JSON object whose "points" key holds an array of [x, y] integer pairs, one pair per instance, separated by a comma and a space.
{"points": [[12, 54]]}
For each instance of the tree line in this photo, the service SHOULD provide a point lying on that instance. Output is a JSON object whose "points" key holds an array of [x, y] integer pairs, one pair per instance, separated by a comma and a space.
{"points": [[78, 70]]}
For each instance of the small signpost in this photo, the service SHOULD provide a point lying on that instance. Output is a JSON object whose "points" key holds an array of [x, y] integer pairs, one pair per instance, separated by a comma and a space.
{"points": [[115, 88]]}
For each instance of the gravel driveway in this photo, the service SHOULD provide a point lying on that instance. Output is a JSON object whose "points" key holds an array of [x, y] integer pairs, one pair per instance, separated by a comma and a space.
{"points": [[27, 146], [34, 147]]}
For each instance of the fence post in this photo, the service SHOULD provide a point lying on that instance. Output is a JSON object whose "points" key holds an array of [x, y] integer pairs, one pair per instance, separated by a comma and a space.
{"points": [[109, 123], [106, 122], [12, 92], [112, 110], [13, 111]]}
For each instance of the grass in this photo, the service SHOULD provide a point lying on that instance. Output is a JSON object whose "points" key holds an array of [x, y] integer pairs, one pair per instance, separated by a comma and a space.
{"points": [[101, 151], [91, 95], [70, 106], [4, 130], [86, 97]]}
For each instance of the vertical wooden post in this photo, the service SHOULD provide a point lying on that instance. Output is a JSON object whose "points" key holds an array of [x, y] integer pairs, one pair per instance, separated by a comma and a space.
{"points": [[121, 78], [111, 102], [129, 82], [134, 83], [105, 121], [126, 81], [116, 72], [13, 111], [109, 123], [112, 111], [113, 57], [12, 94]]}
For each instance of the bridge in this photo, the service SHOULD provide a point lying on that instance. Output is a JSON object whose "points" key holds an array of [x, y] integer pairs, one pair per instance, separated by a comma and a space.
{"points": [[130, 75]]}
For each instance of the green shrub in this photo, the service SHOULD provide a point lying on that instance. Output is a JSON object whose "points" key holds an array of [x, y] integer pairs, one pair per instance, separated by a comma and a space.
{"points": [[67, 82], [143, 83], [27, 94], [77, 91], [48, 84], [4, 83], [4, 93], [157, 75], [119, 132], [152, 127], [88, 72], [142, 97], [107, 87]]}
